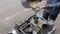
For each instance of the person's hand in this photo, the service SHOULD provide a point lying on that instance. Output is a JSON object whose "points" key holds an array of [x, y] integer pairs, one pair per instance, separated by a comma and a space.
{"points": [[47, 6]]}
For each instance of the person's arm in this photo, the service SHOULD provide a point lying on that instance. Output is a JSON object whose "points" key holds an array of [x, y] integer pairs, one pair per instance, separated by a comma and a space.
{"points": [[57, 5]]}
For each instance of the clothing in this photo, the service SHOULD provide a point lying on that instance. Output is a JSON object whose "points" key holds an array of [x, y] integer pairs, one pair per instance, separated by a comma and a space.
{"points": [[47, 16], [53, 11], [55, 6]]}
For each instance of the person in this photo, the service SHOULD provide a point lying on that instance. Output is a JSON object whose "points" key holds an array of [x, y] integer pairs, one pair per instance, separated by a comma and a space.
{"points": [[51, 11]]}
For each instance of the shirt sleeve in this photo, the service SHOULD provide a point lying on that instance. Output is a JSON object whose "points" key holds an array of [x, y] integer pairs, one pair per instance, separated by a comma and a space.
{"points": [[56, 5]]}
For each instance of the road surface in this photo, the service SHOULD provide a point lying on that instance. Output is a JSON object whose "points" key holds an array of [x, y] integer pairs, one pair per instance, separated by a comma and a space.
{"points": [[12, 12]]}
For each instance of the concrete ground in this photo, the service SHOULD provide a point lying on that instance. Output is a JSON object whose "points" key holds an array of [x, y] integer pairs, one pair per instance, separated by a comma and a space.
{"points": [[12, 12]]}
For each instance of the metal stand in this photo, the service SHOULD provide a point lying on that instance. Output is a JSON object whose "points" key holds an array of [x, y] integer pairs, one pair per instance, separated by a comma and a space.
{"points": [[33, 25]]}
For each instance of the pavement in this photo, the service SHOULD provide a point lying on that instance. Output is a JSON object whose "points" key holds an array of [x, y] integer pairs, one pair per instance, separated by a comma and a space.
{"points": [[12, 12]]}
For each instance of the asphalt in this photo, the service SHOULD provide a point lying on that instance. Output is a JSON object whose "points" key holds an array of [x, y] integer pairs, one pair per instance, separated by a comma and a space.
{"points": [[12, 12]]}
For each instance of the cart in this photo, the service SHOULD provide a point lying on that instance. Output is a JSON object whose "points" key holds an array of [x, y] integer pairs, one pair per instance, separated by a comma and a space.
{"points": [[33, 25]]}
